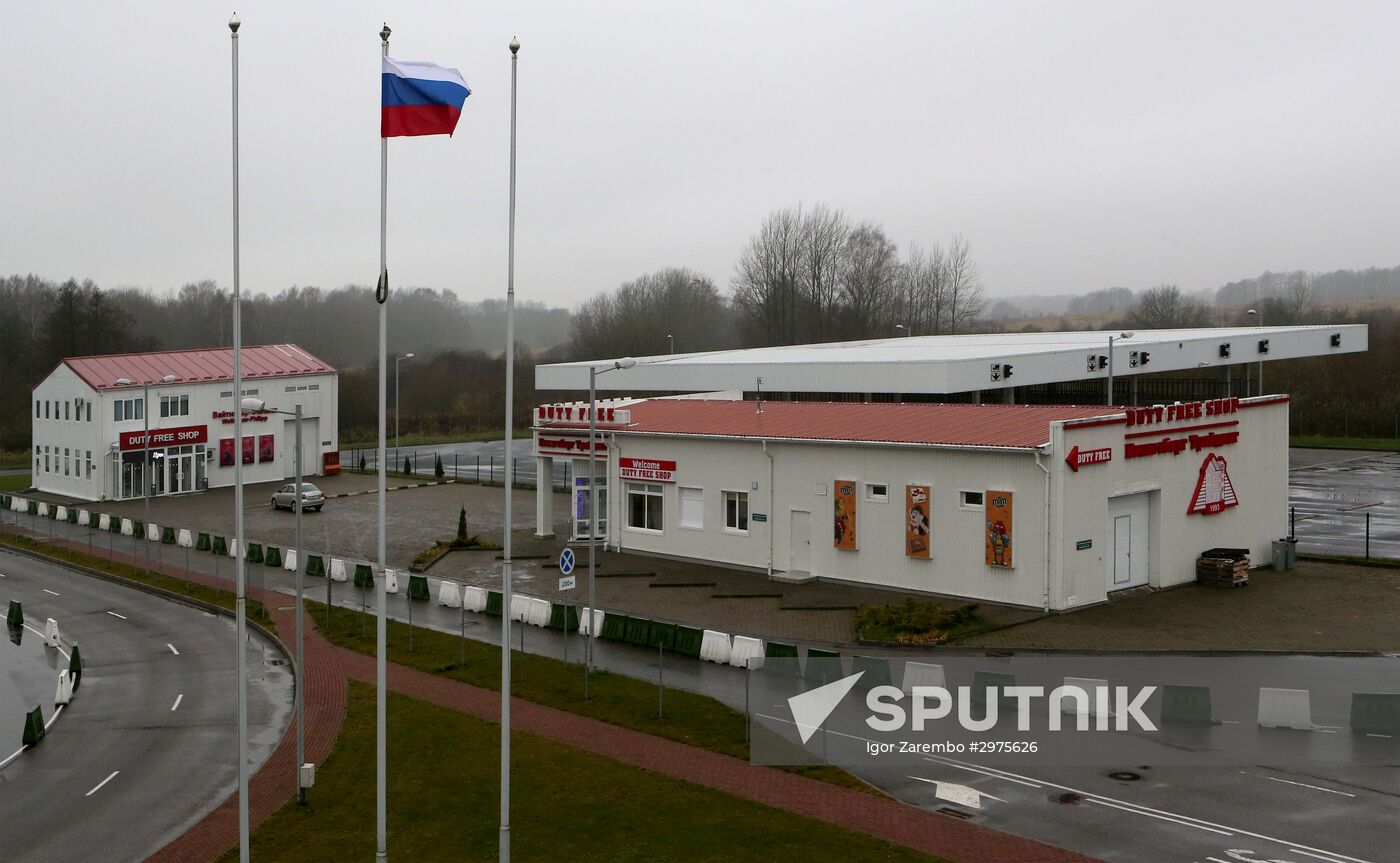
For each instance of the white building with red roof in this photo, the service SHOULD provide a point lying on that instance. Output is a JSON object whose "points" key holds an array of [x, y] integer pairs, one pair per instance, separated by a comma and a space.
{"points": [[1048, 506], [99, 422]]}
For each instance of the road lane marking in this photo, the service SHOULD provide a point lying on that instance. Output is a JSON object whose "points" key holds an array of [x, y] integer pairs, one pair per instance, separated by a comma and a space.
{"points": [[1299, 784], [1386, 736], [99, 785], [172, 648], [991, 772], [53, 593], [114, 614], [1136, 811], [1318, 856], [178, 699]]}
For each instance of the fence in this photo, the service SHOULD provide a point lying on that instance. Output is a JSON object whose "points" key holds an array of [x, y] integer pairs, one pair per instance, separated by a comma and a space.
{"points": [[1349, 532], [465, 468]]}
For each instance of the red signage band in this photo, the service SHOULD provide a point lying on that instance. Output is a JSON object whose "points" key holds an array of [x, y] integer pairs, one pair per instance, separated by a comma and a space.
{"points": [[1224, 424], [164, 437], [570, 445], [641, 468], [1176, 446], [1077, 458], [1182, 411]]}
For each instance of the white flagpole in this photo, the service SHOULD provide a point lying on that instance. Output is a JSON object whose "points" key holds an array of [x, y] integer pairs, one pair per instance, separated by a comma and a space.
{"points": [[510, 481], [380, 658], [240, 602]]}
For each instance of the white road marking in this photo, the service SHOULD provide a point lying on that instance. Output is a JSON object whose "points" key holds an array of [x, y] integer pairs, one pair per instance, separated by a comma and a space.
{"points": [[1135, 810], [1318, 856], [1386, 736], [988, 771], [178, 699], [99, 785], [114, 614], [1299, 784], [54, 593], [172, 648]]}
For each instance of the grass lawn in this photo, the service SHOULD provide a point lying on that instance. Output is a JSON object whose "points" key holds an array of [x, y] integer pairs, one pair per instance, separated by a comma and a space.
{"points": [[1377, 444], [694, 719], [443, 787], [15, 482]]}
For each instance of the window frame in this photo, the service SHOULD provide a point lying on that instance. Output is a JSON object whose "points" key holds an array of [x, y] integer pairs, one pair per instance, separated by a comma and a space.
{"points": [[680, 507], [980, 506], [872, 497], [644, 490], [746, 515]]}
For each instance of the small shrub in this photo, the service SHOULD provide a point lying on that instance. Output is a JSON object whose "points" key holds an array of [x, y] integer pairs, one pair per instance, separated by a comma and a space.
{"points": [[406, 469], [462, 525], [914, 621], [362, 463], [437, 468]]}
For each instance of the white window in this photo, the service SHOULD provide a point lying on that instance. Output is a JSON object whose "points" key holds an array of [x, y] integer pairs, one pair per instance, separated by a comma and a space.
{"points": [[65, 460], [38, 411], [877, 492], [65, 410], [46, 460], [644, 506], [88, 411], [736, 511], [314, 387], [692, 508], [226, 394], [289, 389], [970, 499], [174, 406], [89, 464], [46, 408]]}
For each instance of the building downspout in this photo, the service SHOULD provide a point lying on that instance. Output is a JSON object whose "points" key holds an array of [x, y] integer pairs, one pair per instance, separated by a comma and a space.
{"points": [[612, 491], [771, 521], [1039, 451]]}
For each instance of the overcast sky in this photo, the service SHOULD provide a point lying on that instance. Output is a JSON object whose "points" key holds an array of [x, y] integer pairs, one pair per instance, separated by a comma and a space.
{"points": [[1076, 145]]}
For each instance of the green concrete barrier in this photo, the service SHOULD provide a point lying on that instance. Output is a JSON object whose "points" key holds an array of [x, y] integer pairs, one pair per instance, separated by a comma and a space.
{"points": [[75, 667], [15, 616], [778, 649], [315, 565], [493, 603], [876, 668], [614, 627], [418, 587], [167, 535], [688, 640], [114, 523], [219, 546], [827, 667], [364, 576], [1186, 704], [33, 507], [662, 635], [33, 726], [1375, 713], [983, 680], [255, 552], [272, 556], [563, 616], [203, 542], [72, 515], [138, 529], [4, 501], [637, 631]]}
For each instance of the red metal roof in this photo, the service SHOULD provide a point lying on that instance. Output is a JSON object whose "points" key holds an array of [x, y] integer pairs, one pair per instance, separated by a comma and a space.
{"points": [[261, 361], [996, 425]]}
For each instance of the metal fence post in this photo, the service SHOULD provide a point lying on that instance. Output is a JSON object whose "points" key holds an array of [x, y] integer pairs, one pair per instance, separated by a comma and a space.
{"points": [[1368, 536], [1292, 522]]}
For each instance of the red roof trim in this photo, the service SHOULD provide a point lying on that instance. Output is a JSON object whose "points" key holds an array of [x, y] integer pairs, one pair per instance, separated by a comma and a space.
{"points": [[196, 366], [1262, 401]]}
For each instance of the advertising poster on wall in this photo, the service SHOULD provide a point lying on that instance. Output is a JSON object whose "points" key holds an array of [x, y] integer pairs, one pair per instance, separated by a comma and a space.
{"points": [[845, 514], [226, 452], [917, 528], [265, 449], [998, 506], [248, 449]]}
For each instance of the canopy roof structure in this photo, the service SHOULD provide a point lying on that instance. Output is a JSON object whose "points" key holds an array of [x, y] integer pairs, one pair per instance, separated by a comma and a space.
{"points": [[957, 364]]}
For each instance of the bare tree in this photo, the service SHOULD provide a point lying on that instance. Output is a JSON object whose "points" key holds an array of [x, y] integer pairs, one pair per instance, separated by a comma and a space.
{"points": [[1166, 306], [823, 239], [964, 285], [767, 278], [868, 278]]}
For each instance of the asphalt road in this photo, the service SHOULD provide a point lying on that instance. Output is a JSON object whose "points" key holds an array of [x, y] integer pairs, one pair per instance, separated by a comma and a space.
{"points": [[148, 745]]}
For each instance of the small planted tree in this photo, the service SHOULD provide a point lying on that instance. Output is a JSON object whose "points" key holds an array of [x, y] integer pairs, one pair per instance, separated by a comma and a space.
{"points": [[362, 462], [437, 468], [462, 525], [406, 469]]}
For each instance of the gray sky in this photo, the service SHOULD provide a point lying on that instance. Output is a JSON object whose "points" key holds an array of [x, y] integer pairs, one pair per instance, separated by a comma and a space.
{"points": [[1076, 145]]}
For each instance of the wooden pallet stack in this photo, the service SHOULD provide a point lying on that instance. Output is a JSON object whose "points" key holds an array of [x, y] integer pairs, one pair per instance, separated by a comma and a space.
{"points": [[1225, 567]]}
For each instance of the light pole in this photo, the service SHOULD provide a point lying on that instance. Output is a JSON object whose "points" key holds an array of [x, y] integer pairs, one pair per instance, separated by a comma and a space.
{"points": [[624, 363], [1254, 313], [671, 343], [297, 494], [1108, 398], [408, 356], [145, 457], [908, 331], [240, 600]]}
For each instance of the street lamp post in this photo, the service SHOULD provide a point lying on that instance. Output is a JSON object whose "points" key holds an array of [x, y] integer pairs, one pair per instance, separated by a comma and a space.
{"points": [[300, 699], [671, 343], [1108, 398], [624, 363], [1255, 313], [407, 356], [145, 457], [908, 330]]}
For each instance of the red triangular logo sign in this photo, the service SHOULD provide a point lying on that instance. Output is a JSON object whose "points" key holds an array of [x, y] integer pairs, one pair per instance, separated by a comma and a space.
{"points": [[1214, 491]]}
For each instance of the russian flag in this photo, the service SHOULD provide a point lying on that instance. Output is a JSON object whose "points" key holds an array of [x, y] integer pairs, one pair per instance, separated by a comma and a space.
{"points": [[420, 99]]}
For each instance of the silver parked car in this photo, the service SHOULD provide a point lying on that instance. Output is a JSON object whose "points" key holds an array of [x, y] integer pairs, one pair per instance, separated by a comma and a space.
{"points": [[311, 498]]}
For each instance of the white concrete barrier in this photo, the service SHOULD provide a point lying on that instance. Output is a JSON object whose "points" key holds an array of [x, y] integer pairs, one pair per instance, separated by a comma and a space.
{"points": [[104, 522], [745, 652], [391, 581], [1285, 708], [61, 514], [18, 504], [84, 518], [64, 694], [153, 533], [51, 633], [337, 569], [448, 595], [127, 528], [539, 612], [473, 598], [233, 550], [715, 647], [43, 509], [289, 560], [519, 607], [1090, 686], [184, 538], [590, 624], [923, 674]]}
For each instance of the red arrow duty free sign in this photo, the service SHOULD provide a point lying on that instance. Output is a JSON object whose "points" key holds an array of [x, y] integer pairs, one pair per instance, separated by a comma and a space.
{"points": [[1077, 458]]}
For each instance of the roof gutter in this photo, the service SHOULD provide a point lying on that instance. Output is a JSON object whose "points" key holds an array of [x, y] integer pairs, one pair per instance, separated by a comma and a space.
{"points": [[806, 440], [770, 509], [1045, 601]]}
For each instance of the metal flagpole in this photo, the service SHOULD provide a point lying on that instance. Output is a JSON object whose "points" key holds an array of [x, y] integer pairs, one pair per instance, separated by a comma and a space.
{"points": [[380, 659], [301, 667], [510, 479], [240, 601]]}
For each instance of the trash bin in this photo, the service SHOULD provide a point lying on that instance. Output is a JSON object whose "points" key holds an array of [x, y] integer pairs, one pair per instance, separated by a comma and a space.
{"points": [[1280, 555], [1292, 549]]}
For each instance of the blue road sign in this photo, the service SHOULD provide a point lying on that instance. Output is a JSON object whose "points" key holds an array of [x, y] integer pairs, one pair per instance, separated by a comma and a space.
{"points": [[566, 561]]}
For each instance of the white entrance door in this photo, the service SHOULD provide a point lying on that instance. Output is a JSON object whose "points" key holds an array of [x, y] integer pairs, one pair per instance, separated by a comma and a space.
{"points": [[800, 540], [1129, 545]]}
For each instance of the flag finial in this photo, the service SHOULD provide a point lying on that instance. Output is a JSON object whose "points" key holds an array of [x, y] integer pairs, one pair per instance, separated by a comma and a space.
{"points": [[233, 23], [514, 46], [384, 34]]}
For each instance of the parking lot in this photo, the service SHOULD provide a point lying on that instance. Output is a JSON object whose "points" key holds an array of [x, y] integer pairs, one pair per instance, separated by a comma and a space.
{"points": [[1337, 497]]}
